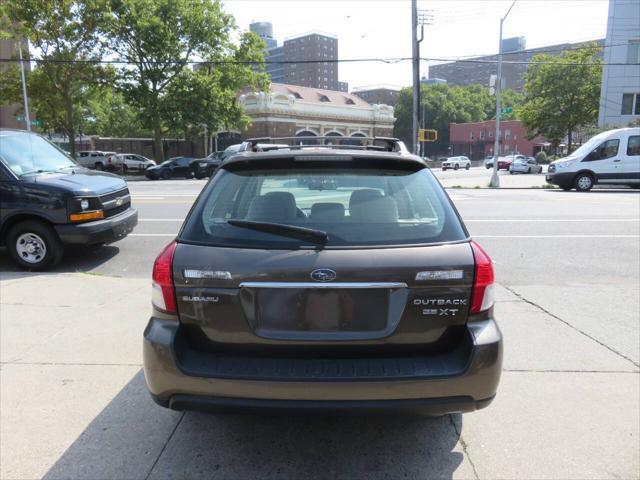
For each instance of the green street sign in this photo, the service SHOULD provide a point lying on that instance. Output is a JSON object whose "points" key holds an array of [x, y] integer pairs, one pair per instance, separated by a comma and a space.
{"points": [[506, 110], [36, 123], [19, 118]]}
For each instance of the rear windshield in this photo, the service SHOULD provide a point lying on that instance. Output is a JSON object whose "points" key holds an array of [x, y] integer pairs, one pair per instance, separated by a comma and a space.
{"points": [[354, 206]]}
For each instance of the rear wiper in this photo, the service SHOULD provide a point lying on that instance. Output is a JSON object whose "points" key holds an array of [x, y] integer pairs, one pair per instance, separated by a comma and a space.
{"points": [[309, 234]]}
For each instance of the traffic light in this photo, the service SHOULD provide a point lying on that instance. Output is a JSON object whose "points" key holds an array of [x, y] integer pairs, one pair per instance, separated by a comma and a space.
{"points": [[428, 135]]}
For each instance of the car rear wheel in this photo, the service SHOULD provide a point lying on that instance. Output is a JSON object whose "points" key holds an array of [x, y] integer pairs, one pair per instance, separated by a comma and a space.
{"points": [[529, 170], [583, 182], [34, 245], [99, 166], [467, 166], [456, 167], [124, 168], [444, 169]]}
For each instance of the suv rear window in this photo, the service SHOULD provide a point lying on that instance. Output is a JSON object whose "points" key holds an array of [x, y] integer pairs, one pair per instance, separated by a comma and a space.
{"points": [[354, 206]]}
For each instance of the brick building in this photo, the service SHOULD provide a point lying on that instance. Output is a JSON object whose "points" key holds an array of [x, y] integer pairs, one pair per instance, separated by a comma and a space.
{"points": [[476, 140], [378, 94], [289, 111]]}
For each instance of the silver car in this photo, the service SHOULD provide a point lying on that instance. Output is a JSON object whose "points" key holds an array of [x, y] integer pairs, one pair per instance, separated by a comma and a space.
{"points": [[525, 165], [132, 161]]}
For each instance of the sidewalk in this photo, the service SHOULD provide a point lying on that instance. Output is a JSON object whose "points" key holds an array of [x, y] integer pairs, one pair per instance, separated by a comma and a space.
{"points": [[74, 404]]}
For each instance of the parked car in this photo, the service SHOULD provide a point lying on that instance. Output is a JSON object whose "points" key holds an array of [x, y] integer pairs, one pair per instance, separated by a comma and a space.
{"points": [[133, 161], [505, 162], [174, 167], [48, 201], [488, 161], [205, 167], [270, 298], [98, 160], [611, 157], [525, 165], [456, 163]]}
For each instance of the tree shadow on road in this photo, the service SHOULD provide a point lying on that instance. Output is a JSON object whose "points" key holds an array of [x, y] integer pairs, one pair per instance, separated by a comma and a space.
{"points": [[75, 259], [134, 438]]}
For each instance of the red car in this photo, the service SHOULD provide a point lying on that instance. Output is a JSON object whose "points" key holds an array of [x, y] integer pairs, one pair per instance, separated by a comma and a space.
{"points": [[505, 162]]}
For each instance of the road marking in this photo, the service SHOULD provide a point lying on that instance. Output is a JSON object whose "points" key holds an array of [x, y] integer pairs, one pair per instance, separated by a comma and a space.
{"points": [[556, 236], [541, 220]]}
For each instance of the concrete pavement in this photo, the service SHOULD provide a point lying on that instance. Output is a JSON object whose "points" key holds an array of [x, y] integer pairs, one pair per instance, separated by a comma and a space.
{"points": [[74, 405]]}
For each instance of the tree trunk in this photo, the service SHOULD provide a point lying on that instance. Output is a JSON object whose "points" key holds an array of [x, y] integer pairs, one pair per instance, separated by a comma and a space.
{"points": [[157, 141], [71, 130]]}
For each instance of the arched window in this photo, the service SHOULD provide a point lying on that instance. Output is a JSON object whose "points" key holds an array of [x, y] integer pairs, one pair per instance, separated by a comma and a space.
{"points": [[306, 138]]}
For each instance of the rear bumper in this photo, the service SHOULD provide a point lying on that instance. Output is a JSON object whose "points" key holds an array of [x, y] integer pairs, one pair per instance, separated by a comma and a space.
{"points": [[108, 230], [179, 378]]}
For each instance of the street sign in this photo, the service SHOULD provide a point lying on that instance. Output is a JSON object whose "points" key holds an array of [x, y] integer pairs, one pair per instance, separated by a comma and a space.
{"points": [[19, 118], [428, 135], [506, 110], [36, 123]]}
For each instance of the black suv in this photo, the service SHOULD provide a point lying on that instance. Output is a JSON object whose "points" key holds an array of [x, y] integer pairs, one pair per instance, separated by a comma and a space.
{"points": [[48, 200], [369, 295]]}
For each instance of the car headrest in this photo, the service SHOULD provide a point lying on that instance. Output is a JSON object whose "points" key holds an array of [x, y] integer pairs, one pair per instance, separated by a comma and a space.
{"points": [[363, 195], [376, 210], [273, 207], [327, 212]]}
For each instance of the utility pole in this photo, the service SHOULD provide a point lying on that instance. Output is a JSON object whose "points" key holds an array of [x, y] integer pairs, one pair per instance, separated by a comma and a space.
{"points": [[415, 50], [495, 180], [206, 140], [27, 120]]}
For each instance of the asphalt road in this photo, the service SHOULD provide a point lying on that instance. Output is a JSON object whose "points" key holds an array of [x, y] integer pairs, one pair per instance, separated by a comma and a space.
{"points": [[74, 405]]}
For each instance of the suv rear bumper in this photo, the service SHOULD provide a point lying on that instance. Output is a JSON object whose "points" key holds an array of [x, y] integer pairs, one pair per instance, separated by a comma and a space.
{"points": [[180, 378], [108, 230]]}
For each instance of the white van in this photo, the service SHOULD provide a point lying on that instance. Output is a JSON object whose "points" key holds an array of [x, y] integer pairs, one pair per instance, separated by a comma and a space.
{"points": [[611, 157]]}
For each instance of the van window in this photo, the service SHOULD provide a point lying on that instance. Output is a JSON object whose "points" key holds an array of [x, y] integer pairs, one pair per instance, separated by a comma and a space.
{"points": [[605, 150], [633, 147]]}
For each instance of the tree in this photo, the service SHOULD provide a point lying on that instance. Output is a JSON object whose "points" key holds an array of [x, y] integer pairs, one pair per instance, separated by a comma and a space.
{"points": [[109, 115], [442, 105], [159, 38], [64, 35], [513, 99], [559, 97]]}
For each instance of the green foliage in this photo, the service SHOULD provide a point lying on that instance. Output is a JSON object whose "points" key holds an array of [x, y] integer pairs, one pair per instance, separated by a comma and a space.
{"points": [[541, 157], [442, 105], [560, 98], [61, 31], [159, 38], [513, 99], [110, 115]]}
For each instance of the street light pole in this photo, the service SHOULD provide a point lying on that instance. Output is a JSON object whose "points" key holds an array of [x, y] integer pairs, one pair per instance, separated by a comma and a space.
{"points": [[24, 87], [415, 50], [495, 180]]}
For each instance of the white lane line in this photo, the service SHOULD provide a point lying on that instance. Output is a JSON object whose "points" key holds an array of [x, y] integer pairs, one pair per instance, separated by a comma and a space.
{"points": [[556, 236], [543, 220]]}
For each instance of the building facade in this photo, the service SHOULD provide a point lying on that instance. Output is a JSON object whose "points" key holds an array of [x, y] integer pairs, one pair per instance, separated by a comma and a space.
{"points": [[476, 139], [312, 61], [265, 31], [295, 111], [620, 91], [469, 73], [378, 94]]}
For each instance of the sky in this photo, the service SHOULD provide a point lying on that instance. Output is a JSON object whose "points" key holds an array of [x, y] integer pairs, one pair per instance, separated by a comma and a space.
{"points": [[382, 28]]}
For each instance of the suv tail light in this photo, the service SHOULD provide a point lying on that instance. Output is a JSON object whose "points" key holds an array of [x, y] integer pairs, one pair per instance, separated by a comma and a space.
{"points": [[163, 294], [482, 297]]}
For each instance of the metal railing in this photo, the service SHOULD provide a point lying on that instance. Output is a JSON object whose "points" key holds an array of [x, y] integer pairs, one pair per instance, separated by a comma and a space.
{"points": [[382, 144]]}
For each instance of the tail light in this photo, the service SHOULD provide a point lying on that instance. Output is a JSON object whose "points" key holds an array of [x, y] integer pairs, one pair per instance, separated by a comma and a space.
{"points": [[163, 295], [482, 297]]}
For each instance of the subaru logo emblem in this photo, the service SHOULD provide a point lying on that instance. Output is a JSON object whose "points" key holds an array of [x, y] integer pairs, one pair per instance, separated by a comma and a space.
{"points": [[323, 275]]}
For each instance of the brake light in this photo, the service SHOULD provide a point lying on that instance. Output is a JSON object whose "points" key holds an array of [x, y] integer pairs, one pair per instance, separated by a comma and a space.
{"points": [[163, 294], [482, 297]]}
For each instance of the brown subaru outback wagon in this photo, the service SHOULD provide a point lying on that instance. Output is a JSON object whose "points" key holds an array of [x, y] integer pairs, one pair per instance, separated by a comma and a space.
{"points": [[323, 278]]}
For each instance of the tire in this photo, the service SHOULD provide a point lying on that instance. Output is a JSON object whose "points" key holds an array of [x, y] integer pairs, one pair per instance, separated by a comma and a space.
{"points": [[467, 166], [444, 169], [488, 166], [583, 182], [124, 168], [39, 236], [166, 175], [529, 170], [510, 172], [99, 166], [456, 166]]}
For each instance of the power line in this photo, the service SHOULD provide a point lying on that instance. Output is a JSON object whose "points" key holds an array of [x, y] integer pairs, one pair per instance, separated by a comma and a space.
{"points": [[300, 62]]}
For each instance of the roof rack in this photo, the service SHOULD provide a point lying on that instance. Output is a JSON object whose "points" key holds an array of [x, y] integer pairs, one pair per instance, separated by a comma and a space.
{"points": [[381, 144]]}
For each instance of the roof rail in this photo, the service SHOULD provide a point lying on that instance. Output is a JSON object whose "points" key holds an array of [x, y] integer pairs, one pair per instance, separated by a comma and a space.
{"points": [[384, 144]]}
